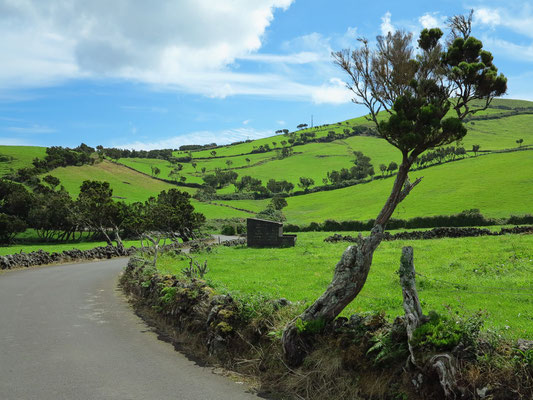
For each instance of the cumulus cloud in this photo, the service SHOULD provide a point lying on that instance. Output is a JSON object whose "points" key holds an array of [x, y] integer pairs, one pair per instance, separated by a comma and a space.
{"points": [[488, 16], [519, 20], [54, 40], [386, 25], [430, 21], [219, 137], [334, 93], [188, 46]]}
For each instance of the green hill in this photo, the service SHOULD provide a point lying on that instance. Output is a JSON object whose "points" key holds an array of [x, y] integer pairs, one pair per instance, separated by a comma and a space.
{"points": [[131, 186], [509, 120], [497, 184], [15, 157]]}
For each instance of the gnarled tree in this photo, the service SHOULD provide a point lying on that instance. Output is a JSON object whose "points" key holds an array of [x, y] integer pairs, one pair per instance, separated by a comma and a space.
{"points": [[417, 100]]}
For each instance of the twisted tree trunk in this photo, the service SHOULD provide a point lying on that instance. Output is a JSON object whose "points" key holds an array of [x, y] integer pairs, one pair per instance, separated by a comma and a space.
{"points": [[441, 364], [349, 276]]}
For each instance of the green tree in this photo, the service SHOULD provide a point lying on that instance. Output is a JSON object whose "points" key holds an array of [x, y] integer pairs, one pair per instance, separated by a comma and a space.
{"points": [[97, 211], [392, 167], [383, 169], [519, 142], [305, 183], [362, 167], [171, 212], [278, 203], [414, 91], [475, 148], [52, 215]]}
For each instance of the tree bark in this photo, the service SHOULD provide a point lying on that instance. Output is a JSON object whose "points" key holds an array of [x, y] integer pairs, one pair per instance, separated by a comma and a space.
{"points": [[411, 304], [442, 364], [350, 273], [120, 246]]}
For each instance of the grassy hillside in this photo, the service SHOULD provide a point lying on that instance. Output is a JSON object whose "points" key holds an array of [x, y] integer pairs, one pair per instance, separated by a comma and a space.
{"points": [[314, 160], [20, 156], [131, 186], [498, 184]]}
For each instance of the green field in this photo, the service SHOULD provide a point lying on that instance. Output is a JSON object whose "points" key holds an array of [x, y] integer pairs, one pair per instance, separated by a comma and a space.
{"points": [[499, 185], [484, 273], [315, 160], [59, 247], [131, 186], [127, 185], [22, 156]]}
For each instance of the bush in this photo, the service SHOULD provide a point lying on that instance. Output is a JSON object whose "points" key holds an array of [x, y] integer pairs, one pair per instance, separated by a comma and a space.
{"points": [[228, 230]]}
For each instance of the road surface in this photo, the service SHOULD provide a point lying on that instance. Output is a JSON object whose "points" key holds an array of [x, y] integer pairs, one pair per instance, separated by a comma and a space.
{"points": [[66, 332]]}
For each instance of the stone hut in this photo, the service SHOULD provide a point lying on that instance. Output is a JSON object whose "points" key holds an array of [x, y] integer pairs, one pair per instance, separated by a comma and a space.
{"points": [[263, 233]]}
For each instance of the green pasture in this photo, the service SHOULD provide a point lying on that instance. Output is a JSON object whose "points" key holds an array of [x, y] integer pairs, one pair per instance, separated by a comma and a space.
{"points": [[468, 274], [501, 133], [22, 156], [244, 148], [58, 247], [131, 186], [499, 185], [127, 185]]}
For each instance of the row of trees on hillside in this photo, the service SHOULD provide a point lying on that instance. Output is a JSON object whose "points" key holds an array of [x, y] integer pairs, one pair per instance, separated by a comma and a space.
{"points": [[56, 156], [55, 215]]}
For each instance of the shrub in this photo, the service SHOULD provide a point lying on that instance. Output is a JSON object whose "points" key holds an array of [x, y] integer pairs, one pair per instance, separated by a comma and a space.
{"points": [[228, 230]]}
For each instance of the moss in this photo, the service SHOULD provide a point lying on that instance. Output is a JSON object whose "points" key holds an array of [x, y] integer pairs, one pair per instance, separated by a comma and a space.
{"points": [[226, 314], [224, 327]]}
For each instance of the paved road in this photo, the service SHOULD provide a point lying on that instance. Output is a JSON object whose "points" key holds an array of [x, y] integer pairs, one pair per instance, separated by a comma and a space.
{"points": [[66, 332]]}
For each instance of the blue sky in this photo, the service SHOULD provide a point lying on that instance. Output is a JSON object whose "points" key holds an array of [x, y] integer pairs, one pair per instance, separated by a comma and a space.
{"points": [[130, 74]]}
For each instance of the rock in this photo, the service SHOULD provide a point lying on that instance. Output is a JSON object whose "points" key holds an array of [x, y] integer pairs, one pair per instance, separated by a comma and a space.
{"points": [[524, 345]]}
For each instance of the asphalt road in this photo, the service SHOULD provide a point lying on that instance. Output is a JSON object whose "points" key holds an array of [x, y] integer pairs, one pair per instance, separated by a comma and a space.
{"points": [[66, 332]]}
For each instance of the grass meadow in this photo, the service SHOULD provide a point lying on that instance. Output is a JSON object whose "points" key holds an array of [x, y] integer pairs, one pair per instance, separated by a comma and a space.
{"points": [[499, 185], [22, 156], [468, 274], [59, 247], [131, 186]]}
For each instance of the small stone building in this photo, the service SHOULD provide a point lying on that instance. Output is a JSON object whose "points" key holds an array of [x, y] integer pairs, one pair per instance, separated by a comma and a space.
{"points": [[263, 233]]}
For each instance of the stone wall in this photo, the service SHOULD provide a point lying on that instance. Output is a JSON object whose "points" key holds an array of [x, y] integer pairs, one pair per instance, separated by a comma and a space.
{"points": [[437, 233]]}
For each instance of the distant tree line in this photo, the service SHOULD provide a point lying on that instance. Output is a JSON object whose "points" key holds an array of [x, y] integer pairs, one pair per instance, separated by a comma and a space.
{"points": [[115, 154], [56, 156], [465, 218], [95, 214]]}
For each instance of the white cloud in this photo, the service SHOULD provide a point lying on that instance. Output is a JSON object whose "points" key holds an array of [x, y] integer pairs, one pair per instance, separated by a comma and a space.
{"points": [[519, 20], [386, 25], [334, 93], [281, 122], [200, 137], [488, 16], [50, 41], [246, 122], [430, 21]]}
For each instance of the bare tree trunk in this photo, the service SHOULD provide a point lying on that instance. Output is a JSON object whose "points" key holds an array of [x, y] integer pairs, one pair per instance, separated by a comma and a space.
{"points": [[120, 246], [106, 236], [411, 304], [350, 273], [442, 364]]}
